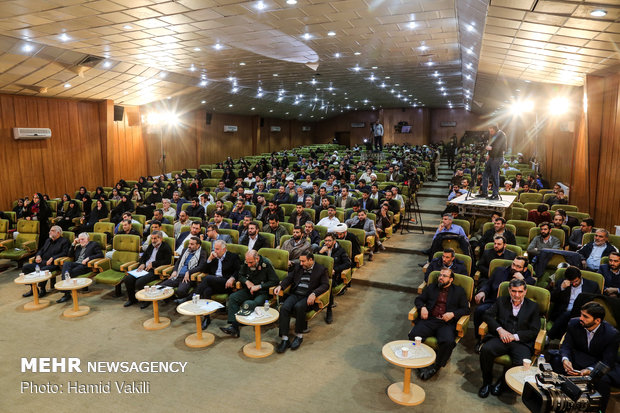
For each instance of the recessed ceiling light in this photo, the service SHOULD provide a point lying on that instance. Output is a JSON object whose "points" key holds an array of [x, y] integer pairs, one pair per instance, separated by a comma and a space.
{"points": [[260, 5], [203, 101], [27, 48], [271, 110], [382, 85], [192, 68], [242, 64], [217, 46], [469, 51], [127, 27], [429, 63], [396, 84], [336, 55], [64, 37], [107, 64], [280, 98], [196, 49], [387, 77], [468, 65], [423, 47], [169, 97], [252, 108], [412, 25], [470, 28], [235, 89], [357, 53], [331, 33], [374, 67], [230, 105], [357, 68], [275, 75], [598, 13], [306, 36], [203, 83], [67, 85], [313, 81], [291, 1]]}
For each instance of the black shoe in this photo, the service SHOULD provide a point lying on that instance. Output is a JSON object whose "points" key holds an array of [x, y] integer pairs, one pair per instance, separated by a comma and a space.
{"points": [[329, 318], [181, 300], [428, 372], [418, 372], [145, 304], [494, 197], [284, 344], [63, 299], [343, 291], [478, 346], [498, 388], [484, 391], [481, 195], [42, 293], [85, 289], [296, 343], [231, 330], [206, 320], [28, 294], [128, 303], [370, 256]]}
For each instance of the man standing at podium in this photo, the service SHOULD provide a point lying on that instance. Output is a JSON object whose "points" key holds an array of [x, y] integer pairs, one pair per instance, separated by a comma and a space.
{"points": [[495, 157]]}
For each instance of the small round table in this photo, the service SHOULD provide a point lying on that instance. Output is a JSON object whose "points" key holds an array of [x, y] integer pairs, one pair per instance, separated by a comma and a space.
{"points": [[29, 279], [407, 393], [73, 285], [155, 323], [517, 376], [199, 339], [258, 349]]}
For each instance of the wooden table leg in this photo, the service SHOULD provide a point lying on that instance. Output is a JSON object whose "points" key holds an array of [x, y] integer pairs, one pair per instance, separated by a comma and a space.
{"points": [[156, 312], [406, 393], [36, 303], [199, 339], [257, 335], [77, 310], [407, 381], [156, 323]]}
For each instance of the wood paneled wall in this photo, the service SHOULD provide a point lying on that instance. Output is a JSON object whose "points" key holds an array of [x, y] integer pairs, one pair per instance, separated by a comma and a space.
{"points": [[72, 157], [465, 121]]}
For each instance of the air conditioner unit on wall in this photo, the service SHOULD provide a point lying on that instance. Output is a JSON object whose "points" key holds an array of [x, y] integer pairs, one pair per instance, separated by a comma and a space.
{"points": [[32, 133], [230, 128]]}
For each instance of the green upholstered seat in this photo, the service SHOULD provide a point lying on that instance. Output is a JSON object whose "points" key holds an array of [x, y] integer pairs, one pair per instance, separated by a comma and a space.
{"points": [[522, 233], [271, 239], [279, 260], [24, 245], [124, 258]]}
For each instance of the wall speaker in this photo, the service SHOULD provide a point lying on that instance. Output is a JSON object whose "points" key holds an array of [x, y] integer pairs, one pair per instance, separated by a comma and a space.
{"points": [[262, 122], [118, 113], [208, 118]]}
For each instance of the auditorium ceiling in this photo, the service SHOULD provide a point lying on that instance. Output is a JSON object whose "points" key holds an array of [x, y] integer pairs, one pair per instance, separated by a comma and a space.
{"points": [[305, 59]]}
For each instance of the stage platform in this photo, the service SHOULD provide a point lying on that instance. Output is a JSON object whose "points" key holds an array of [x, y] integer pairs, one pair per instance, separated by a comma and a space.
{"points": [[482, 206]]}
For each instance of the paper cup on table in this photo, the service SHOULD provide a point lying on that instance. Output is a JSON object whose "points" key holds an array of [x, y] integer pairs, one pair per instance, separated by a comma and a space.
{"points": [[527, 363], [418, 340], [405, 351]]}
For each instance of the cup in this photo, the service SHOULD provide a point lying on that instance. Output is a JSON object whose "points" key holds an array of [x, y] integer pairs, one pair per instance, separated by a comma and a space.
{"points": [[75, 281], [418, 340], [527, 363], [405, 351]]}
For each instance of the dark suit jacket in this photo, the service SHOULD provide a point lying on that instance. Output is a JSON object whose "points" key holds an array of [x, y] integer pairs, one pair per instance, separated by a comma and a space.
{"points": [[261, 242], [341, 259], [302, 219], [371, 205], [455, 303], [163, 256], [603, 346], [197, 211], [230, 265], [526, 325], [489, 234], [501, 274], [93, 250], [198, 268], [319, 280], [561, 298], [489, 255], [436, 264], [223, 225], [347, 204], [54, 249], [282, 198]]}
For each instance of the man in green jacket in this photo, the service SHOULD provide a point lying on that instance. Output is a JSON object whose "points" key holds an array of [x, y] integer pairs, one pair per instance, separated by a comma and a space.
{"points": [[256, 276]]}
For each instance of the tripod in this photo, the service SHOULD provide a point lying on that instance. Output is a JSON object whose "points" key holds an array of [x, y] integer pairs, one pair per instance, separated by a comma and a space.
{"points": [[412, 213]]}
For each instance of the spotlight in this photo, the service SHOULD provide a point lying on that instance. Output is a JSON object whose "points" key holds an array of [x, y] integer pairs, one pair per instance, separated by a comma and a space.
{"points": [[559, 105]]}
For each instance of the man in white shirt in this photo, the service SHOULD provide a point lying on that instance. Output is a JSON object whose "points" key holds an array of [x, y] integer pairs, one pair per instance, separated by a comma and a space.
{"points": [[378, 136], [330, 221], [167, 209]]}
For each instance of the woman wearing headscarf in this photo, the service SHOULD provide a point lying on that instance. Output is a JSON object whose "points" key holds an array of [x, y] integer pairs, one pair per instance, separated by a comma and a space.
{"points": [[65, 218], [61, 205], [123, 206], [87, 224], [100, 194], [84, 196], [150, 203], [39, 210]]}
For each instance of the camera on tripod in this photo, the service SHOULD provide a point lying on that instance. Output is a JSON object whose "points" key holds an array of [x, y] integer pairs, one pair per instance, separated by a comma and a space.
{"points": [[554, 392]]}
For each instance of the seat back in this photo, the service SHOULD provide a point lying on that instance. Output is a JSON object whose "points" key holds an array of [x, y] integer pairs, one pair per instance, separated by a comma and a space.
{"points": [[288, 209], [566, 207], [271, 239], [289, 227], [322, 230], [70, 236], [540, 296], [526, 197], [4, 229], [463, 281], [27, 231], [348, 247], [463, 223], [613, 239], [168, 229], [505, 263], [579, 215], [522, 228], [588, 275], [102, 227], [240, 250], [489, 225], [100, 238], [325, 261], [311, 212], [278, 258], [359, 234], [126, 249], [234, 234], [140, 218], [518, 213]]}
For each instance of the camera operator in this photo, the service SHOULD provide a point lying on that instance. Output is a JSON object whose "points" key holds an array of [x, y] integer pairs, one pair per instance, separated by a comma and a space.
{"points": [[588, 340]]}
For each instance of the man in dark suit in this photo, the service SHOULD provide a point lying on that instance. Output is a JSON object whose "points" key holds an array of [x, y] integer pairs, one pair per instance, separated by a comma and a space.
{"points": [[514, 322], [367, 203], [342, 262], [589, 339], [218, 220], [282, 197], [195, 209], [54, 247], [82, 250], [158, 253], [299, 216], [440, 306], [499, 228], [499, 251], [563, 297], [308, 280], [222, 269], [447, 260], [253, 240], [191, 260], [487, 293], [611, 272], [345, 200], [195, 230]]}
